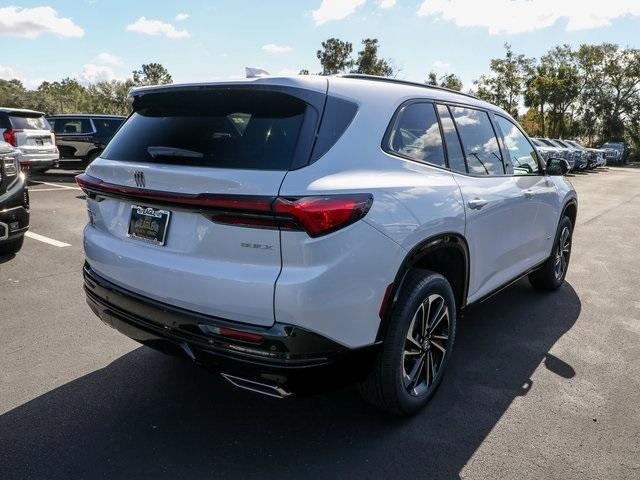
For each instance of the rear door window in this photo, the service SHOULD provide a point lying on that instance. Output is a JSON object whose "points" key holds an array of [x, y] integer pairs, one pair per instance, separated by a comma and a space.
{"points": [[479, 141], [416, 134], [106, 127], [243, 129], [24, 122], [73, 126]]}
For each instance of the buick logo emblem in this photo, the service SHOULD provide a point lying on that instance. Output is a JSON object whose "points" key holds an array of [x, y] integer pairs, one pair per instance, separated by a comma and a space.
{"points": [[139, 178]]}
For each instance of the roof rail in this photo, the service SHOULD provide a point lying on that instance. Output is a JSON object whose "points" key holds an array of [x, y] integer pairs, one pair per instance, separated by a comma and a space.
{"points": [[361, 76]]}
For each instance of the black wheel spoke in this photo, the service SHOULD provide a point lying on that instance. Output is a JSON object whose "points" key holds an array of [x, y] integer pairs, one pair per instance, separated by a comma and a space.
{"points": [[426, 344]]}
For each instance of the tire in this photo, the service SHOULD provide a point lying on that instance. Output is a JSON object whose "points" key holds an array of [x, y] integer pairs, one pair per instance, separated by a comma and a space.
{"points": [[12, 246], [397, 384], [551, 275]]}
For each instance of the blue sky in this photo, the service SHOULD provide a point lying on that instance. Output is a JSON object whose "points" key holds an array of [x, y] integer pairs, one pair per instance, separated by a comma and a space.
{"points": [[216, 39]]}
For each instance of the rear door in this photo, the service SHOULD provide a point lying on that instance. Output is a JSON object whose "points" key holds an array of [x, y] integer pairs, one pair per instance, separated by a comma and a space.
{"points": [[74, 136], [199, 167], [492, 201]]}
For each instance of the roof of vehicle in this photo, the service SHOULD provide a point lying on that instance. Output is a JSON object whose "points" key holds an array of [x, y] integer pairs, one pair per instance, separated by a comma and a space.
{"points": [[19, 110], [341, 85], [86, 115]]}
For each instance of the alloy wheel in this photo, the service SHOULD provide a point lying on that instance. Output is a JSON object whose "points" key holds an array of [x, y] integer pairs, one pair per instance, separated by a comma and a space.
{"points": [[562, 253], [426, 345]]}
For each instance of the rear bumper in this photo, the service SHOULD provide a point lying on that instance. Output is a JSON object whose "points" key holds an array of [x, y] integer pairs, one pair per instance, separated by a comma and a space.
{"points": [[39, 160], [289, 356], [14, 211]]}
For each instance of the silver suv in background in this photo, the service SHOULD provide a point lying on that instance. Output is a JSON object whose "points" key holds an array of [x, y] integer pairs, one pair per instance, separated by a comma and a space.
{"points": [[30, 133], [293, 231], [558, 150]]}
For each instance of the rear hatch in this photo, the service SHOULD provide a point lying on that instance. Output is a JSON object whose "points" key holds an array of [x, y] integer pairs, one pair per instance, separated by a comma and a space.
{"points": [[178, 198], [32, 133]]}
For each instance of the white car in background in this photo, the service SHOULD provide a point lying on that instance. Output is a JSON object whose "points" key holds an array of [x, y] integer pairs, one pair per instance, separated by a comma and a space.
{"points": [[30, 133]]}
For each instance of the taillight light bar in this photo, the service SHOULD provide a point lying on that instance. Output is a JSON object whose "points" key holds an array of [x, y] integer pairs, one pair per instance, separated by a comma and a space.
{"points": [[9, 136], [317, 215]]}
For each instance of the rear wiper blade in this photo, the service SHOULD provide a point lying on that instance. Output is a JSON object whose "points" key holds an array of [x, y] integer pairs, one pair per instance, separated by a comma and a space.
{"points": [[159, 151]]}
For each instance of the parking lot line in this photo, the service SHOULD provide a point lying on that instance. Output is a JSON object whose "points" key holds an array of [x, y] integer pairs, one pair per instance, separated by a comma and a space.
{"points": [[55, 185], [47, 190], [50, 241]]}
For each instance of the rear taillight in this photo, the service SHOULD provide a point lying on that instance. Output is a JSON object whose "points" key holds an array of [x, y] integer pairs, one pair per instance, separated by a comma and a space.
{"points": [[9, 136], [325, 214], [317, 215]]}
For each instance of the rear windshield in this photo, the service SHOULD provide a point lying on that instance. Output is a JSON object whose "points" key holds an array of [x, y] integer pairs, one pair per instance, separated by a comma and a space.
{"points": [[29, 122], [245, 129]]}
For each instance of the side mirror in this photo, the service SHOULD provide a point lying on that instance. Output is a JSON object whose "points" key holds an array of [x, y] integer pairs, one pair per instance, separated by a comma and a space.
{"points": [[557, 166]]}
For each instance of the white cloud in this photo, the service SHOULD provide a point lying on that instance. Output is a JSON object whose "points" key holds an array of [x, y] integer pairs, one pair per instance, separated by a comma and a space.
{"points": [[108, 59], [441, 65], [182, 16], [387, 3], [33, 22], [8, 73], [335, 10], [156, 27], [517, 16], [92, 73], [273, 48]]}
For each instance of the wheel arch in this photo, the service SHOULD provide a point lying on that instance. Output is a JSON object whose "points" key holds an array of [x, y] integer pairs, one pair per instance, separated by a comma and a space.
{"points": [[427, 251]]}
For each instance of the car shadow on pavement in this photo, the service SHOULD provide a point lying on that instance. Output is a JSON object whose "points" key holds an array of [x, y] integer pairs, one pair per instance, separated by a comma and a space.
{"points": [[150, 416]]}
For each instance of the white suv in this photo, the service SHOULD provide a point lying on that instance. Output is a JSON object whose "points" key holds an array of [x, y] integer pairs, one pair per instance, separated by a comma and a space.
{"points": [[294, 232], [30, 133]]}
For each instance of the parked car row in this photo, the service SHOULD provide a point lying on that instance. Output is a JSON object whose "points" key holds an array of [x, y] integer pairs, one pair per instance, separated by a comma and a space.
{"points": [[577, 156], [42, 142]]}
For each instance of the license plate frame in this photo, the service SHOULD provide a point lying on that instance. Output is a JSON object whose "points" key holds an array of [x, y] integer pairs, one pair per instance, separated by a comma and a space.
{"points": [[149, 224]]}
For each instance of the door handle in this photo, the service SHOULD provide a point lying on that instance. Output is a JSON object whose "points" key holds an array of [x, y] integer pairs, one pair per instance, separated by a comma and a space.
{"points": [[477, 203], [529, 193]]}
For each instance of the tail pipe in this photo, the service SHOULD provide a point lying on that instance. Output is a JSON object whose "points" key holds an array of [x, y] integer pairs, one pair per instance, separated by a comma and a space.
{"points": [[271, 390]]}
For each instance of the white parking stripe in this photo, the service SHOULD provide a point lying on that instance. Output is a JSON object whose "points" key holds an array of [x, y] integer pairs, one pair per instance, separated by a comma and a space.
{"points": [[31, 190], [56, 185], [50, 241]]}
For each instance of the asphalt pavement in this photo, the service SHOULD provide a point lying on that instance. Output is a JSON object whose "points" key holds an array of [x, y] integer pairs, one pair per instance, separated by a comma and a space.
{"points": [[540, 385]]}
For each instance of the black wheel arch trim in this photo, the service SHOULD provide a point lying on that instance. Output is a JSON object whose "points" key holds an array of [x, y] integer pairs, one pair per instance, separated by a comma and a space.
{"points": [[429, 245]]}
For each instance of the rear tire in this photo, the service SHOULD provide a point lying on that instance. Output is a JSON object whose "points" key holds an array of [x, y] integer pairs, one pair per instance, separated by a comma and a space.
{"points": [[417, 346], [12, 246], [553, 272]]}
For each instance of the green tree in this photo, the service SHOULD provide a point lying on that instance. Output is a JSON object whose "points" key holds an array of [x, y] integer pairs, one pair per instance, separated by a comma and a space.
{"points": [[110, 97], [504, 85], [449, 80], [13, 93], [335, 56], [152, 74], [611, 87], [368, 61], [64, 96]]}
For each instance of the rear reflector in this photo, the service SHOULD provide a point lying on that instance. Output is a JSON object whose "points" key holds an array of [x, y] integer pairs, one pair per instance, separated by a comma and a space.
{"points": [[317, 215]]}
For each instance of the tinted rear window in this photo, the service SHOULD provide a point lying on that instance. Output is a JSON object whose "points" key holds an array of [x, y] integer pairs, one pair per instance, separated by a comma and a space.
{"points": [[29, 122], [245, 129]]}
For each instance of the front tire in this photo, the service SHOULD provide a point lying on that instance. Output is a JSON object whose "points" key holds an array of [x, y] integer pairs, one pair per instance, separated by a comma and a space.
{"points": [[417, 346], [553, 272], [12, 246]]}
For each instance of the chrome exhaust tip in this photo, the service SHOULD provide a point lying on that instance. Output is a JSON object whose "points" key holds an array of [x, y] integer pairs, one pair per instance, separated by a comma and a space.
{"points": [[270, 390]]}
